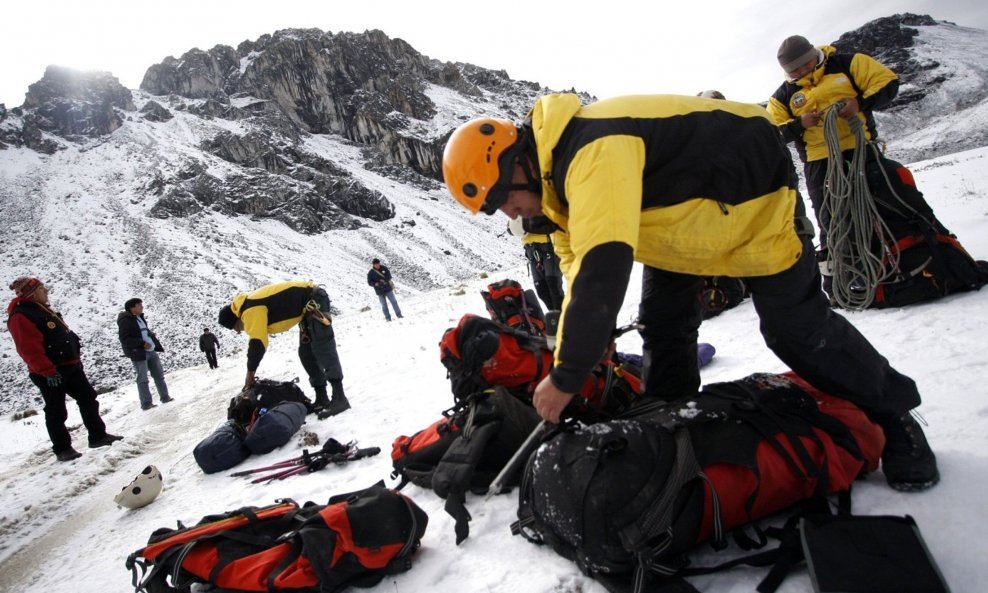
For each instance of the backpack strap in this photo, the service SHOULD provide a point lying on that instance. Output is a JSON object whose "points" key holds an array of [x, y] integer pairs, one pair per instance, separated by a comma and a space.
{"points": [[454, 471], [656, 522]]}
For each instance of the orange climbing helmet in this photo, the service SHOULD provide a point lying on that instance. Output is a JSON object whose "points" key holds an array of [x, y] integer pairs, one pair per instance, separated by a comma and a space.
{"points": [[478, 163]]}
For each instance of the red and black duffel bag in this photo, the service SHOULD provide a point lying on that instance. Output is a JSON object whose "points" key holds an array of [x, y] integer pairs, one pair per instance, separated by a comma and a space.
{"points": [[356, 539]]}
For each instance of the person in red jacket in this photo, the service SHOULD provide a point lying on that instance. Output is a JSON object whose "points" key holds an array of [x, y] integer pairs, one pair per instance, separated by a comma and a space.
{"points": [[51, 351]]}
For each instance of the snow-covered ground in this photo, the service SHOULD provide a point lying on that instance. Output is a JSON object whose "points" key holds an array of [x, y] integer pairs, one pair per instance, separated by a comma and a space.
{"points": [[60, 527]]}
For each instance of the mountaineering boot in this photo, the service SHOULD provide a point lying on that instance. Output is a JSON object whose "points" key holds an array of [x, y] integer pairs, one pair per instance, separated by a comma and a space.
{"points": [[107, 440], [339, 402], [907, 461], [68, 455], [322, 399]]}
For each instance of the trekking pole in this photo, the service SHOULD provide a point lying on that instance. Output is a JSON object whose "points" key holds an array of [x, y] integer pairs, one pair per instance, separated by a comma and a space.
{"points": [[280, 465], [330, 447]]}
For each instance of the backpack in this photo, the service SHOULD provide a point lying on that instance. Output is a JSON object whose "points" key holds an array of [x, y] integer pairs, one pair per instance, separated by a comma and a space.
{"points": [[930, 267], [481, 353], [508, 304], [931, 261], [222, 449], [627, 499], [264, 431], [464, 450], [275, 427], [355, 539], [245, 407]]}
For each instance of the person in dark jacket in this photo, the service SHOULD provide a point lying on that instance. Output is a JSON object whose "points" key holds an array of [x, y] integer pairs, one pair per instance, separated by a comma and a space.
{"points": [[379, 276], [51, 352], [689, 187], [279, 307], [208, 343], [141, 346]]}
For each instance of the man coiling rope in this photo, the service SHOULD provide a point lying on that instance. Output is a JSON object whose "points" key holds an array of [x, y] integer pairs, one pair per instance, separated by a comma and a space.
{"points": [[859, 242]]}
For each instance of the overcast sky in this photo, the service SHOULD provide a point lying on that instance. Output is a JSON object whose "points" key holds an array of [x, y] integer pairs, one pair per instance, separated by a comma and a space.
{"points": [[607, 48]]}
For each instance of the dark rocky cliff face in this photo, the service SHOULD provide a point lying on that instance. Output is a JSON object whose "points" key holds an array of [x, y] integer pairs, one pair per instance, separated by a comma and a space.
{"points": [[889, 40], [366, 87], [282, 89], [71, 105]]}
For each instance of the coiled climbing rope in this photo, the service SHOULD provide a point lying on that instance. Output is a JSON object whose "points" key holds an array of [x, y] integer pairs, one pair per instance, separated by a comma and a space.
{"points": [[859, 243]]}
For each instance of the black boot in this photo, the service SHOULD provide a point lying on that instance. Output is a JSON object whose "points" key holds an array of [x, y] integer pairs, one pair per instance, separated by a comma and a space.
{"points": [[908, 462], [322, 399], [338, 404]]}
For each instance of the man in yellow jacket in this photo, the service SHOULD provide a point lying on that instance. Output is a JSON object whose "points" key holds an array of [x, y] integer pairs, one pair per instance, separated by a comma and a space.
{"points": [[820, 78], [277, 308], [689, 187]]}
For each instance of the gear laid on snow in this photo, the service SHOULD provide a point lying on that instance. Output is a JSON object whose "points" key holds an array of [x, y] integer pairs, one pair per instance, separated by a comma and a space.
{"points": [[142, 491]]}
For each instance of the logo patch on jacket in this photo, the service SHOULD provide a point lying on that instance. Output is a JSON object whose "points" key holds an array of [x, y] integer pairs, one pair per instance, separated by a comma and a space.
{"points": [[51, 325], [798, 100]]}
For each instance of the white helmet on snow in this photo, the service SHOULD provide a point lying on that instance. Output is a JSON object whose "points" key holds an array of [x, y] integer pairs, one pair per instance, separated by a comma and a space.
{"points": [[144, 489]]}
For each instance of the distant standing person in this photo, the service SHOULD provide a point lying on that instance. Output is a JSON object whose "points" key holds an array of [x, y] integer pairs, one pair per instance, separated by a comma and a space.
{"points": [[277, 308], [208, 344], [141, 346], [379, 277], [543, 263], [51, 352]]}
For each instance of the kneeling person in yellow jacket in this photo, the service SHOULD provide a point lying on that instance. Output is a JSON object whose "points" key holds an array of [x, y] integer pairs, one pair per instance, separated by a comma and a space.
{"points": [[278, 307], [689, 187]]}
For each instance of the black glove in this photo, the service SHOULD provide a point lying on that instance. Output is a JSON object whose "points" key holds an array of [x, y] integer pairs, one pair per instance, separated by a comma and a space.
{"points": [[55, 380]]}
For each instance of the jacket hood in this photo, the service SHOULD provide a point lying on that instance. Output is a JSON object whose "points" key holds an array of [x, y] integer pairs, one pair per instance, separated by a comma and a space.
{"points": [[549, 116], [238, 302]]}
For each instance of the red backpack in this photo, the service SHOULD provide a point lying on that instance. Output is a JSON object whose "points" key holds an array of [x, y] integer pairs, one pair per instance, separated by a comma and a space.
{"points": [[354, 539], [509, 304], [481, 353]]}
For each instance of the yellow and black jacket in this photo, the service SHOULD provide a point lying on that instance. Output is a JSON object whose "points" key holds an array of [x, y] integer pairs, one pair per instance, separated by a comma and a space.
{"points": [[840, 76], [271, 309], [684, 184]]}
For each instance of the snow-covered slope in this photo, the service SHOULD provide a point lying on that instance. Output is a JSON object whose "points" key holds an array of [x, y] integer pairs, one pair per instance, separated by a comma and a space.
{"points": [[952, 114], [59, 525], [80, 220]]}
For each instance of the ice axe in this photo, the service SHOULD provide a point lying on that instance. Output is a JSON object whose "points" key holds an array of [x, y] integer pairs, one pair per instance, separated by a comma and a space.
{"points": [[534, 439]]}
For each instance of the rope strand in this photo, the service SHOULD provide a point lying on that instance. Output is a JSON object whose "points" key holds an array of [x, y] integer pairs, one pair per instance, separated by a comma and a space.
{"points": [[857, 236]]}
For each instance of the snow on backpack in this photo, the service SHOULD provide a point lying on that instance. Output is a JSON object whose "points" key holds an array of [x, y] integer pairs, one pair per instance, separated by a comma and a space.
{"points": [[509, 304], [464, 450], [627, 499], [356, 539]]}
